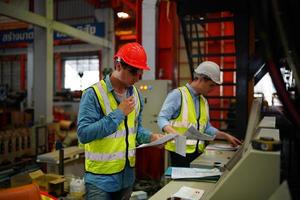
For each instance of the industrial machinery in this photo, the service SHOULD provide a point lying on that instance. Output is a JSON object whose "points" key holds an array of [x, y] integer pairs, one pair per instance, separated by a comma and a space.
{"points": [[154, 93], [249, 174]]}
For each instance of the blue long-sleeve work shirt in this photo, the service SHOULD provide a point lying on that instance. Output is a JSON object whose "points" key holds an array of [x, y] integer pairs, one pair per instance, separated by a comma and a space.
{"points": [[171, 109], [93, 124]]}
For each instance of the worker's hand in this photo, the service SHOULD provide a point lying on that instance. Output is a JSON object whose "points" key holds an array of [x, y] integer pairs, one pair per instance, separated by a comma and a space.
{"points": [[127, 105], [170, 130], [233, 140], [156, 136]]}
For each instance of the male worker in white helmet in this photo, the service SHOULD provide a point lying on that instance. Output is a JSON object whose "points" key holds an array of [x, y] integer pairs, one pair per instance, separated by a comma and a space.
{"points": [[186, 106]]}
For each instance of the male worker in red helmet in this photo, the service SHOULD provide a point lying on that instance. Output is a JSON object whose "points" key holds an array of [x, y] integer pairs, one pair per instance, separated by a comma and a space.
{"points": [[109, 125], [186, 106]]}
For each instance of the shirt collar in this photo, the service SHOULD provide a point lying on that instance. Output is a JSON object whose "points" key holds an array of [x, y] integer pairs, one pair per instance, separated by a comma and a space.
{"points": [[192, 91], [108, 83], [110, 87]]}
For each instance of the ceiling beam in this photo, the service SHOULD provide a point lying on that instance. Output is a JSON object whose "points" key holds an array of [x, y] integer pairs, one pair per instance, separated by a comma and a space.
{"points": [[35, 19]]}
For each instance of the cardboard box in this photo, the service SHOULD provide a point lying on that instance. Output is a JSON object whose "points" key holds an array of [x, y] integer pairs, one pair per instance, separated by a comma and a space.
{"points": [[17, 118], [20, 180], [52, 183], [49, 182]]}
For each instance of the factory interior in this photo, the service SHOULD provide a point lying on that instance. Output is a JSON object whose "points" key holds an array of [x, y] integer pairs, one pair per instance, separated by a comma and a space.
{"points": [[53, 51]]}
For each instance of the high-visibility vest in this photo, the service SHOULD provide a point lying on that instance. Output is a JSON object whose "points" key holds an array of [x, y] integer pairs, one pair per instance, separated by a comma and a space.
{"points": [[188, 117], [108, 155]]}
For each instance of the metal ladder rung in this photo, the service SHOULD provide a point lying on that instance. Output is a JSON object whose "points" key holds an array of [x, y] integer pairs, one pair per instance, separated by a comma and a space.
{"points": [[221, 97], [222, 120], [228, 70], [214, 38], [213, 55], [228, 84], [209, 20], [222, 108]]}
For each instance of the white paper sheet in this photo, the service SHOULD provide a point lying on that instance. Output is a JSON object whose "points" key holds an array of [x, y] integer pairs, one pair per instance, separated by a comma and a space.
{"points": [[193, 133], [180, 142], [180, 172], [188, 141], [188, 193], [223, 147], [191, 142], [160, 141]]}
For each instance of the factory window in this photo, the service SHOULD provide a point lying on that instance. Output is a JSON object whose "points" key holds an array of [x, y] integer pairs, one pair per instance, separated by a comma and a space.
{"points": [[266, 88], [81, 73]]}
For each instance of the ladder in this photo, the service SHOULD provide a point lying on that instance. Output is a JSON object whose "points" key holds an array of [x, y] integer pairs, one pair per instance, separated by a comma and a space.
{"points": [[211, 36]]}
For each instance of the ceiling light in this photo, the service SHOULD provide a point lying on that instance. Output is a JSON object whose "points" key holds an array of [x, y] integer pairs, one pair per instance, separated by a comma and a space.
{"points": [[123, 15]]}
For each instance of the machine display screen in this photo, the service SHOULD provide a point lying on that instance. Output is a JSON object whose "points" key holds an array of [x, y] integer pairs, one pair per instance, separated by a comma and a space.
{"points": [[253, 122]]}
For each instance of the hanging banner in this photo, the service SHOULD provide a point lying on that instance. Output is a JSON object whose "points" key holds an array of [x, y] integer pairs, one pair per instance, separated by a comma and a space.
{"points": [[26, 35]]}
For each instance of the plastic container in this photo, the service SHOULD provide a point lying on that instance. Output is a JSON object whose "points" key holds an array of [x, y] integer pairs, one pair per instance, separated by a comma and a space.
{"points": [[77, 188]]}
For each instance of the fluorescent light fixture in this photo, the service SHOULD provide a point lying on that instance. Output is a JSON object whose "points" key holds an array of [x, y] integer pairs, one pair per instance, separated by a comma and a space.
{"points": [[123, 15]]}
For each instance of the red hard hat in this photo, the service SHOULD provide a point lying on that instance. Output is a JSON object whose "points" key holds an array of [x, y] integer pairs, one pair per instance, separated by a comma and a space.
{"points": [[134, 55]]}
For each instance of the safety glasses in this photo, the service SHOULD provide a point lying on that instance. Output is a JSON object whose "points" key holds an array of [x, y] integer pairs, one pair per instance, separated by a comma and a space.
{"points": [[132, 70]]}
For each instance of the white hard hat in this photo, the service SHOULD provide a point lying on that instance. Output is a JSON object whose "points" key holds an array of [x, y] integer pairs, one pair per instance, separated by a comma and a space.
{"points": [[210, 69]]}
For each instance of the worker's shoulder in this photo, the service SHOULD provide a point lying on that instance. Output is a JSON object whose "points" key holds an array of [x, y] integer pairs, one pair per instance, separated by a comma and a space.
{"points": [[175, 93], [88, 93], [177, 90], [88, 90]]}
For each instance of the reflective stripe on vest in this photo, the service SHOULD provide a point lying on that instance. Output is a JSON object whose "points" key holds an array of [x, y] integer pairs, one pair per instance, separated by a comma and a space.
{"points": [[188, 117], [108, 155], [104, 97], [121, 133]]}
